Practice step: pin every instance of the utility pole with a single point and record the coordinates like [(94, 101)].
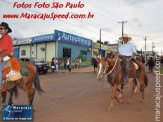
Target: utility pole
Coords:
[(153, 46), (100, 43), (122, 25), (145, 38)]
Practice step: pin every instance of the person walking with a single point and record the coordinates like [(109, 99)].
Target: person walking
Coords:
[(65, 63), (80, 61), (69, 64), (52, 65), (56, 64)]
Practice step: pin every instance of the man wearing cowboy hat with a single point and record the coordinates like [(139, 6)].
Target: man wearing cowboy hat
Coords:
[(6, 47), (128, 51)]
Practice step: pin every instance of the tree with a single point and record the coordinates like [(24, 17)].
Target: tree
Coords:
[(106, 42), (98, 41)]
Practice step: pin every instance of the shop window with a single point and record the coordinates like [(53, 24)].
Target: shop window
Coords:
[(23, 53), (83, 52), (67, 52)]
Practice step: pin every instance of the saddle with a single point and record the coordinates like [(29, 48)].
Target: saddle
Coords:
[(11, 71), (134, 64)]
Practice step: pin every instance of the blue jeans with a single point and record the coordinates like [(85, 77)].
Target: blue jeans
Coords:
[(127, 68), (2, 64)]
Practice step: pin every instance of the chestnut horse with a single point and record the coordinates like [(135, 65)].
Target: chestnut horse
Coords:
[(114, 70), (25, 83)]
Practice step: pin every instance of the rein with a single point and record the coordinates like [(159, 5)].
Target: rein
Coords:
[(112, 68)]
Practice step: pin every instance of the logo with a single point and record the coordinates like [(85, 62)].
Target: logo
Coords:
[(17, 112), (59, 36)]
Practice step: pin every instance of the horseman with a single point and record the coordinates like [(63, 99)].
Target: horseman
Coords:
[(127, 51), (151, 62), (6, 47)]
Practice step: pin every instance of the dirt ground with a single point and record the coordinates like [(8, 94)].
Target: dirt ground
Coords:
[(79, 97)]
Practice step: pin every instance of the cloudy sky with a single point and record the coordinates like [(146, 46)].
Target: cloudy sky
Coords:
[(144, 18)]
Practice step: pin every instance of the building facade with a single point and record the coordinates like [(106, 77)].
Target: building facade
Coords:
[(58, 44), (105, 49)]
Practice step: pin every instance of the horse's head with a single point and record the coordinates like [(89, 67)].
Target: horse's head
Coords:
[(105, 65), (102, 64)]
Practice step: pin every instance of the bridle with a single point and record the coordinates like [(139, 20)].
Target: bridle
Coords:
[(104, 74)]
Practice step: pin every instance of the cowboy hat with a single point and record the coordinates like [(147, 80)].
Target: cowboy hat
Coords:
[(125, 36), (6, 26)]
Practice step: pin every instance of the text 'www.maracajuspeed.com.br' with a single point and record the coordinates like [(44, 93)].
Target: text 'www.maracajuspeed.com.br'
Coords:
[(52, 16)]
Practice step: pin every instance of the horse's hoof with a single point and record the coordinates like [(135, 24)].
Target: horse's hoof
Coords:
[(129, 101), (121, 101), (110, 108)]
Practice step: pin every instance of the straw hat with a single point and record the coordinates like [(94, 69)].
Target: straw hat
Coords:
[(125, 36)]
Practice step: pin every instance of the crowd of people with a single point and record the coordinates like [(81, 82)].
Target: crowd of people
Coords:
[(55, 64)]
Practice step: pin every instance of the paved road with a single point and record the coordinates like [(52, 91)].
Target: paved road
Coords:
[(79, 97)]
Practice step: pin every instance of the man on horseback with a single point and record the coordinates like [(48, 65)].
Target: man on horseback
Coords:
[(6, 47), (127, 50), (151, 62)]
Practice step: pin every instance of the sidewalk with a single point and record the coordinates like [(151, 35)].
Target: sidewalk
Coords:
[(79, 70)]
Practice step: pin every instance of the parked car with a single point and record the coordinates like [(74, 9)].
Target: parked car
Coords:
[(41, 66)]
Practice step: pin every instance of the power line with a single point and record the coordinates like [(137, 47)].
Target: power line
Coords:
[(108, 12)]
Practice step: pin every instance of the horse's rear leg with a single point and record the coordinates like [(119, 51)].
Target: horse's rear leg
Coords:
[(30, 94), (114, 91), (142, 90)]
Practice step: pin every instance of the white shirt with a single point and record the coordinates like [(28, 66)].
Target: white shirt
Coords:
[(56, 62), (127, 49)]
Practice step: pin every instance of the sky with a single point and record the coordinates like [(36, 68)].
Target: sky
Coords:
[(144, 19)]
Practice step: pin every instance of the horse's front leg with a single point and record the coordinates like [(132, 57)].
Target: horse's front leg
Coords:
[(114, 91)]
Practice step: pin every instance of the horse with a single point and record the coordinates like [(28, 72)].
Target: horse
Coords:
[(25, 84), (151, 64), (94, 62), (114, 70)]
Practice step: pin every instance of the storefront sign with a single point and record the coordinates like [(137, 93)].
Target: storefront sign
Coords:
[(72, 39), (105, 47), (43, 38), (22, 41)]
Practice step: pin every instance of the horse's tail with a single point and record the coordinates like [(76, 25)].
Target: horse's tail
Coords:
[(146, 80), (37, 83)]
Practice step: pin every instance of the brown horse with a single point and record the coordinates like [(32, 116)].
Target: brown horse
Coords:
[(25, 84), (114, 70)]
